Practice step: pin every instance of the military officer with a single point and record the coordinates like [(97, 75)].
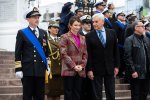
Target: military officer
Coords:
[(31, 52), (100, 6), (79, 12), (55, 84), (120, 26), (107, 22), (86, 24)]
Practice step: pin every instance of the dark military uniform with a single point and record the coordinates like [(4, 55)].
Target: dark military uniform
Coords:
[(55, 85), (108, 24), (31, 64), (120, 35), (28, 60)]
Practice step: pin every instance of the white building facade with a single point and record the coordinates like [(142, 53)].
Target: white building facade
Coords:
[(12, 11)]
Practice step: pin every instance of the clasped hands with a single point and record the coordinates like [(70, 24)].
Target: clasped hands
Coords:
[(78, 68)]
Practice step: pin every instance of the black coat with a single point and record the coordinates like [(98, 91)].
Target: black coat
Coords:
[(26, 53), (128, 31), (102, 61), (107, 25), (135, 55), (120, 33), (65, 15)]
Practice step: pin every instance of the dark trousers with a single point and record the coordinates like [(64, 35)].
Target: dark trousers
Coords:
[(72, 87), (87, 93), (139, 89), (33, 88), (122, 63), (109, 83)]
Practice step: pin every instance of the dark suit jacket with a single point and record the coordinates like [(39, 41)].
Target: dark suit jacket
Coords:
[(102, 61), (30, 61)]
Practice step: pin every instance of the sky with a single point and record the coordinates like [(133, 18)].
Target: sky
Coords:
[(46, 2)]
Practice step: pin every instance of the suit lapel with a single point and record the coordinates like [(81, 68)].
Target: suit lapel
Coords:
[(71, 38), (97, 38), (82, 42), (107, 37)]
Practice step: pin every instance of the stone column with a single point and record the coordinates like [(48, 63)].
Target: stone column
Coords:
[(11, 19)]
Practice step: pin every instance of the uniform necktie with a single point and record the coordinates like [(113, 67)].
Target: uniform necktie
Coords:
[(101, 37), (35, 32), (55, 39)]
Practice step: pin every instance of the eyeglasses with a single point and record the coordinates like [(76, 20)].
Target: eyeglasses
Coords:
[(140, 26)]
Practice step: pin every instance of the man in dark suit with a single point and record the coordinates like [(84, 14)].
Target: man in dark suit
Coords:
[(30, 57), (103, 58)]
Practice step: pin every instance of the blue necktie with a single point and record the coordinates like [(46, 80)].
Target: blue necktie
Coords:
[(101, 37)]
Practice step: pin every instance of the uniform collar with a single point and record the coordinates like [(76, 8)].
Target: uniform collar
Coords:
[(53, 37)]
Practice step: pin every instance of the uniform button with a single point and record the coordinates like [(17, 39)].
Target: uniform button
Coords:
[(34, 60), (34, 55), (42, 61), (34, 51)]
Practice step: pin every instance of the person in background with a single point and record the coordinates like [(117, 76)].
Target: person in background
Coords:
[(87, 86), (147, 28), (79, 12), (120, 26), (31, 53), (105, 1), (74, 58), (100, 6), (103, 58), (86, 24), (54, 87), (107, 15), (137, 59), (111, 8), (65, 15), (131, 17)]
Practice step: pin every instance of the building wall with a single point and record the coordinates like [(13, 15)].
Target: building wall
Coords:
[(8, 27)]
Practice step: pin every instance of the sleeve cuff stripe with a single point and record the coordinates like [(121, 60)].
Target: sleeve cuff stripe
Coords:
[(18, 64)]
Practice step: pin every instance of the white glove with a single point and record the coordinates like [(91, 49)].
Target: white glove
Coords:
[(19, 74), (48, 70)]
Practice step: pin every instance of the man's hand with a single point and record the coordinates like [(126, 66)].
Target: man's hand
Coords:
[(116, 70), (19, 74), (90, 75), (135, 75)]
